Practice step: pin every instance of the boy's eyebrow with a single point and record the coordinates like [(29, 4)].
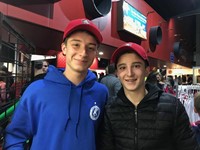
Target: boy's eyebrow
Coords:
[(76, 40), (132, 63), (122, 64), (93, 44), (137, 62)]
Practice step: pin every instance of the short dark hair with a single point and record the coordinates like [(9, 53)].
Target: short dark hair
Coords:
[(152, 77), (4, 68), (111, 69)]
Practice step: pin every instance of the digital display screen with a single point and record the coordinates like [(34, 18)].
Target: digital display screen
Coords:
[(133, 21)]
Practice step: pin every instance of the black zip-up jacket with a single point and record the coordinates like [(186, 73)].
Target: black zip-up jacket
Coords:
[(159, 122)]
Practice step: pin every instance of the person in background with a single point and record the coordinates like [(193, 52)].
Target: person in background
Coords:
[(38, 74), (111, 81), (143, 116), (9, 80), (184, 80), (196, 125), (101, 75), (45, 65), (95, 74), (160, 82), (152, 78), (9, 77), (39, 70), (169, 86), (180, 80), (190, 80), (63, 110), (3, 94)]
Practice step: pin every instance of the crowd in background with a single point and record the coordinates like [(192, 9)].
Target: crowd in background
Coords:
[(12, 87)]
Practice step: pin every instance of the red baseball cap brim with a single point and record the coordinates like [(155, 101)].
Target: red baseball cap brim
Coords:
[(83, 24), (129, 47)]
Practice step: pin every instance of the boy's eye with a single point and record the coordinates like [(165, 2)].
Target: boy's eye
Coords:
[(137, 66), (121, 68), (75, 45), (91, 48)]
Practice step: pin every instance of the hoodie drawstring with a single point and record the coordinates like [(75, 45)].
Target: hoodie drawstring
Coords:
[(77, 119), (68, 109), (79, 111)]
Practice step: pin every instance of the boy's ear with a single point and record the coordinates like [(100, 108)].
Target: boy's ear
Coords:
[(63, 48)]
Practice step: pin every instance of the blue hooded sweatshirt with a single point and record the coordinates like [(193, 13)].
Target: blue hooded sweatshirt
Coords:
[(58, 115)]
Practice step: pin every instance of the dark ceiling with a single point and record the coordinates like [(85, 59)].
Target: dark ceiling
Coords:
[(175, 8), (184, 13)]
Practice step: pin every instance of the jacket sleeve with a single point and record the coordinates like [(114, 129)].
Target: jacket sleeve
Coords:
[(105, 137), (183, 135), (18, 130)]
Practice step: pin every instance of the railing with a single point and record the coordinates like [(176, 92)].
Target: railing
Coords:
[(6, 112)]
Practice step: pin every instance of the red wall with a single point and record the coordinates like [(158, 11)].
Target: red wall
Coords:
[(57, 15)]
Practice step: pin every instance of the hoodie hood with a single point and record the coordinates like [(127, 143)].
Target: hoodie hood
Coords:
[(56, 75)]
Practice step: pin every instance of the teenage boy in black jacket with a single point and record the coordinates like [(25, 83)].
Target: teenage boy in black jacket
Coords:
[(143, 117)]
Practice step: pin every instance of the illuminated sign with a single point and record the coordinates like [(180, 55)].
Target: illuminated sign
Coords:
[(131, 20)]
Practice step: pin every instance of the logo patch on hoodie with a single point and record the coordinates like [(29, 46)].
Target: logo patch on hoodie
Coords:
[(94, 112)]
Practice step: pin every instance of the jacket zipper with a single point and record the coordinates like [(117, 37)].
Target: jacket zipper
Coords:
[(136, 128)]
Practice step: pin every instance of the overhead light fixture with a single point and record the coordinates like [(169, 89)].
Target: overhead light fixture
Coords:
[(100, 53), (175, 35), (41, 57)]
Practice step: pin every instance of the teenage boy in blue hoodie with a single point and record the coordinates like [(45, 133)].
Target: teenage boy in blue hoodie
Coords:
[(63, 110)]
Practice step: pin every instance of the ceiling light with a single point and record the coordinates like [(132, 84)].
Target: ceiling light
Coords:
[(100, 53)]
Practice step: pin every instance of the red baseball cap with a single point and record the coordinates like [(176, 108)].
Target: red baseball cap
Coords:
[(83, 24), (129, 47)]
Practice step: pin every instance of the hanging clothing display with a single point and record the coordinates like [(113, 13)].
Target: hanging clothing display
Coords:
[(186, 96)]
